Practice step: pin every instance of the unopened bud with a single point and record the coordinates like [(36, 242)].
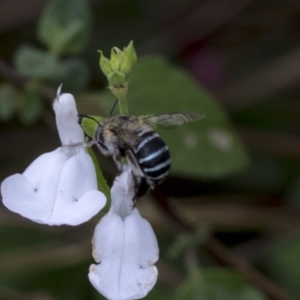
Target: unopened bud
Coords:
[(104, 64)]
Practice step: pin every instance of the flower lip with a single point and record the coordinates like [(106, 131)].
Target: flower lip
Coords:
[(59, 187), (124, 247), (122, 193)]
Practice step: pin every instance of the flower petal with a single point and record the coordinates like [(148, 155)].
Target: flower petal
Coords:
[(126, 253), (32, 193), (107, 251), (55, 189), (19, 196), (122, 193), (77, 199), (66, 115)]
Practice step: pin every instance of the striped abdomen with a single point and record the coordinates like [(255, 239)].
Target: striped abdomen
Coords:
[(153, 156)]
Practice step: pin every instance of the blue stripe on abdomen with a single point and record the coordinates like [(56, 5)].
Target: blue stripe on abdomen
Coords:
[(153, 156), (146, 138)]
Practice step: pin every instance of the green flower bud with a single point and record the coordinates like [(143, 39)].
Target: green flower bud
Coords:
[(117, 69), (116, 78), (125, 64), (128, 59), (117, 84), (104, 64), (131, 52), (117, 50), (114, 60)]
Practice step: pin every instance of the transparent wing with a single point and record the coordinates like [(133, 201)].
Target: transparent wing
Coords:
[(171, 119)]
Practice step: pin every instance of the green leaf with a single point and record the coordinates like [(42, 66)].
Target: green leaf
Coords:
[(293, 193), (102, 184), (218, 284), (90, 124), (208, 148), (284, 265), (36, 63), (75, 76), (7, 102), (32, 109), (159, 292), (277, 113), (65, 25)]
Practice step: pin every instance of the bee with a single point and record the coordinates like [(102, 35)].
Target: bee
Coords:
[(133, 137)]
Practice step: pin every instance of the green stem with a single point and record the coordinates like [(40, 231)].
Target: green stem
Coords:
[(123, 107), (193, 265), (102, 184)]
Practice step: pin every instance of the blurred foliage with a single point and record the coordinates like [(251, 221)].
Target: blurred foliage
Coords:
[(65, 26), (217, 284), (283, 263), (156, 87), (238, 64), (7, 102)]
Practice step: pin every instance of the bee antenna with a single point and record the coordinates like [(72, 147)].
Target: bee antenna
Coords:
[(113, 107), (81, 116)]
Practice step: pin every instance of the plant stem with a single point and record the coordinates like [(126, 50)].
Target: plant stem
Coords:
[(192, 264), (123, 107), (102, 184)]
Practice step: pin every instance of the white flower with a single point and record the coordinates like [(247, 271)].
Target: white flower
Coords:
[(124, 246), (59, 187)]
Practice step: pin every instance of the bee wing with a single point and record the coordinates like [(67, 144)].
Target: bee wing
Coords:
[(171, 119)]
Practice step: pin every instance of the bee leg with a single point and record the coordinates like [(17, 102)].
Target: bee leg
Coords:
[(134, 200), (120, 167), (131, 158), (118, 162), (141, 187), (152, 185)]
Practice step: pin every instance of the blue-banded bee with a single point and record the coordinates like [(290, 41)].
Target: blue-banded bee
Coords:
[(134, 138)]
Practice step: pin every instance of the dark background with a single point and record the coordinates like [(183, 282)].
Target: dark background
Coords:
[(246, 54)]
